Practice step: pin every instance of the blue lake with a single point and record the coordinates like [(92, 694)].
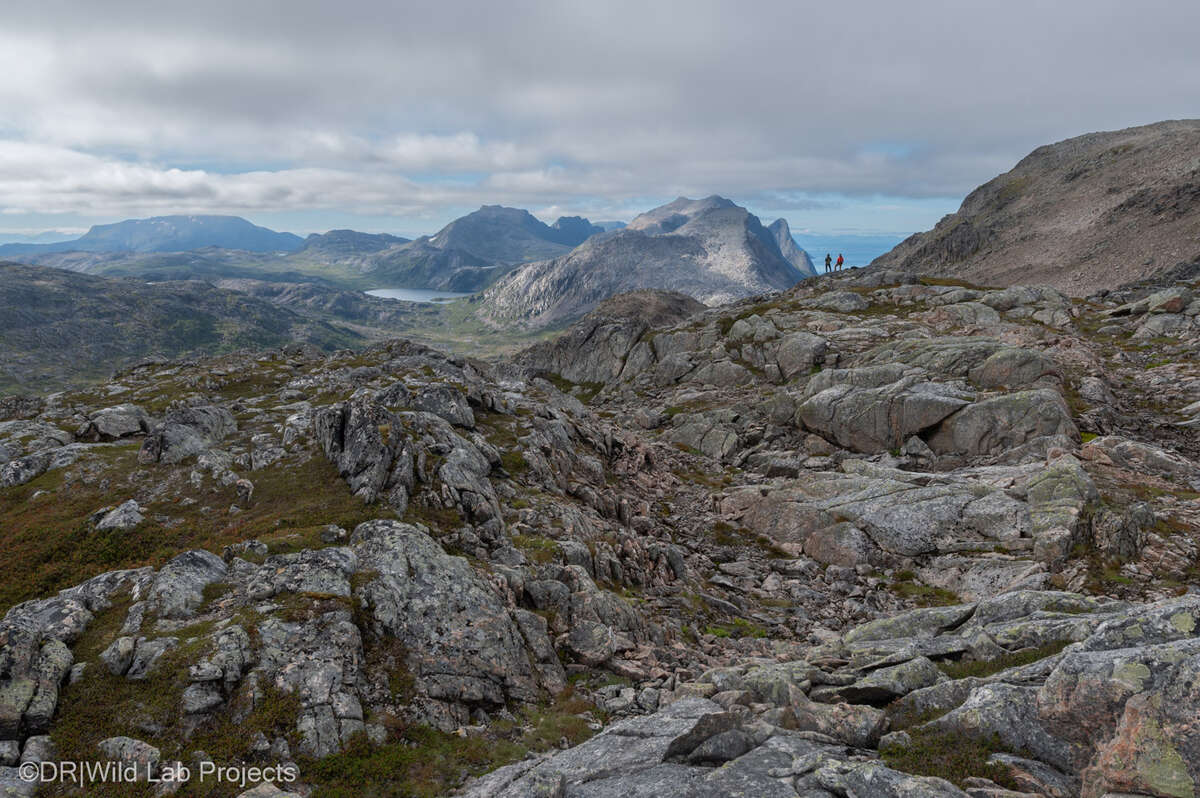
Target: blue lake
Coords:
[(416, 294)]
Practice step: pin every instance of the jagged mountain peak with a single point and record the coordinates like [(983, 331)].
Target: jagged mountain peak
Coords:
[(710, 249), (795, 255), (669, 217)]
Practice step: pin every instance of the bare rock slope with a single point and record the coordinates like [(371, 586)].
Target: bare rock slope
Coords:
[(709, 249), (1084, 214), (872, 536)]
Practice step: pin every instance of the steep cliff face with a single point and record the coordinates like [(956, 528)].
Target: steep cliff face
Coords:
[(1084, 214), (790, 249), (709, 249)]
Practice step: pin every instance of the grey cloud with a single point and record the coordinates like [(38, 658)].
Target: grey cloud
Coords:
[(404, 106)]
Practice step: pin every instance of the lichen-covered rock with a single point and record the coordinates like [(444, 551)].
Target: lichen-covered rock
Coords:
[(1014, 368), (799, 353), (1010, 713), (990, 426), (886, 684), (1155, 748), (357, 436), (1061, 498), (853, 724), (881, 418), (113, 423), (914, 623), (186, 431), (128, 751), (1142, 458), (127, 515), (178, 588), (461, 642)]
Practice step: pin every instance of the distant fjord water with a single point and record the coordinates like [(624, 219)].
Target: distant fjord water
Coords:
[(858, 250)]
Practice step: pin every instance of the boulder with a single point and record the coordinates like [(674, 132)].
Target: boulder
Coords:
[(129, 751), (1169, 300), (886, 684), (880, 418), (126, 516), (1013, 368), (925, 622), (1062, 499), (838, 301), (1010, 713), (463, 646), (991, 426), (1139, 457), (852, 724), (799, 353), (1167, 325), (113, 423), (445, 401), (178, 588), (186, 431), (357, 437)]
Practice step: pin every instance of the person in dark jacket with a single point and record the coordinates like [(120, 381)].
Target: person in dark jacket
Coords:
[(841, 262), (828, 262)]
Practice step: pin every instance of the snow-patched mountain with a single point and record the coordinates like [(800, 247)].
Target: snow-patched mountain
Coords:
[(710, 249)]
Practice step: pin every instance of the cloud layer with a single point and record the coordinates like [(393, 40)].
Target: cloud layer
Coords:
[(384, 110)]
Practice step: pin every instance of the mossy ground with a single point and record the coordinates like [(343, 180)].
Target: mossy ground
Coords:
[(961, 669), (907, 587), (947, 755), (50, 544), (419, 762), (101, 705)]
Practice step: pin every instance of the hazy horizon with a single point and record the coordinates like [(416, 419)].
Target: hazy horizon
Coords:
[(379, 117)]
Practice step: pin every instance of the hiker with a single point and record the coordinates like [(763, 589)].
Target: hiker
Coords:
[(828, 260), (841, 261)]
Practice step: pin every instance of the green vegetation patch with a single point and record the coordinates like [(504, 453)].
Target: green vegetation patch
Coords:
[(739, 628), (101, 705), (907, 587), (537, 549), (50, 543), (948, 755), (961, 669), (583, 391), (420, 762)]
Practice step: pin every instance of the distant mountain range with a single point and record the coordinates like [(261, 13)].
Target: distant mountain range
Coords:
[(710, 249), (47, 237), (466, 255), (169, 234), (341, 244), (1089, 213), (471, 252)]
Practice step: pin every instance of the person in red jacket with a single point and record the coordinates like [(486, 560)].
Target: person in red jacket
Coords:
[(840, 262)]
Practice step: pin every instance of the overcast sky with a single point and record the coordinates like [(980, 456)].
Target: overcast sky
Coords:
[(387, 116)]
